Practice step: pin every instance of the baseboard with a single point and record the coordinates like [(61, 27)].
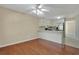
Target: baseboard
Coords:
[(5, 45), (72, 42)]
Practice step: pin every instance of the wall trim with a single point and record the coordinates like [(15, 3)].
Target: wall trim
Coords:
[(5, 45), (72, 42)]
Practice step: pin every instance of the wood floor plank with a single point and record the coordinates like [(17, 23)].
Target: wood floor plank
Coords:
[(38, 47)]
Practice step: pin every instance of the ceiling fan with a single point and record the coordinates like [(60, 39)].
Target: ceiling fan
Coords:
[(38, 10)]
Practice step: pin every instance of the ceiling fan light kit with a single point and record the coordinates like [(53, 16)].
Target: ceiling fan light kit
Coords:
[(38, 10)]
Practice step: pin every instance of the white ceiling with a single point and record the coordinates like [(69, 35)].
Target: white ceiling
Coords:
[(54, 10)]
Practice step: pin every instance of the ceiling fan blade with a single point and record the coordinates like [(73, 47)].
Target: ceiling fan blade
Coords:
[(40, 6), (44, 10)]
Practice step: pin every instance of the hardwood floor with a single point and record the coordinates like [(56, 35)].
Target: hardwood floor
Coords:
[(38, 47)]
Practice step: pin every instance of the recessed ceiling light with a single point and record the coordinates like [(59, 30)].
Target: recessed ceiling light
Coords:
[(58, 17)]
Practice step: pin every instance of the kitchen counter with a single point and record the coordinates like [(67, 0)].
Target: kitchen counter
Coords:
[(55, 36)]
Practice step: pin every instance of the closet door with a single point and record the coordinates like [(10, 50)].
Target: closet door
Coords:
[(70, 29)]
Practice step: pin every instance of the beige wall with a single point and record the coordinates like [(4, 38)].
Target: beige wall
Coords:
[(15, 26)]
